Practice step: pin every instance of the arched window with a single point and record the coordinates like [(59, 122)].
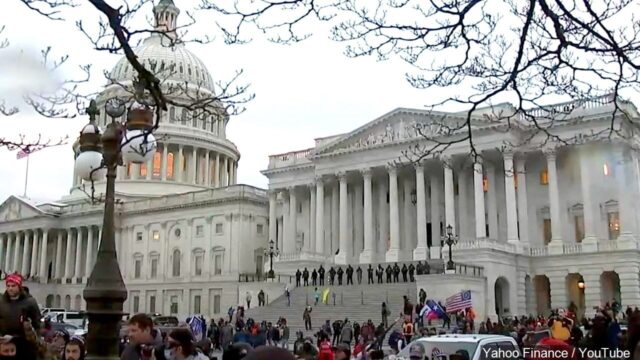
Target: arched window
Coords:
[(143, 169), (176, 263), (170, 165), (183, 117), (67, 302), (172, 114), (194, 116), (157, 164)]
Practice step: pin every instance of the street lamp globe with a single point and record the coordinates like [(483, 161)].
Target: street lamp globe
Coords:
[(86, 164), (138, 146)]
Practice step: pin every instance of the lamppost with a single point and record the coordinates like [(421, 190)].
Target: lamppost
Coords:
[(450, 239), (105, 291), (271, 252)]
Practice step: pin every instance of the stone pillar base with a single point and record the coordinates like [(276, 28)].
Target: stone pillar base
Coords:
[(366, 256), (626, 241), (590, 244), (435, 253), (452, 271), (340, 259), (420, 253), (556, 247), (392, 255)]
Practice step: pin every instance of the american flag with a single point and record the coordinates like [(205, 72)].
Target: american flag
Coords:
[(23, 153), (459, 301)]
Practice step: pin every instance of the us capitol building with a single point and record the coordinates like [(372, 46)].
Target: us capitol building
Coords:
[(549, 223)]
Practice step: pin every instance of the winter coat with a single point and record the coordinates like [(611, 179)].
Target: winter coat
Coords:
[(347, 334), (132, 351), (12, 310)]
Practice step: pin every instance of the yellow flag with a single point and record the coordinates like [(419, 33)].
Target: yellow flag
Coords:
[(325, 295)]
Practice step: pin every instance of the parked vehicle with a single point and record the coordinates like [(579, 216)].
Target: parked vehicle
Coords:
[(77, 318), (474, 346)]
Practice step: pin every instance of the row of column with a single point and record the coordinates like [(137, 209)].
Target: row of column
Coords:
[(25, 252)]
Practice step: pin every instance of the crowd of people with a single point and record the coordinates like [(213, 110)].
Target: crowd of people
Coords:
[(393, 273)]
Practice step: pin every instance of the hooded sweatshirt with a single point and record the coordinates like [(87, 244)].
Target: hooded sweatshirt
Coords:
[(12, 310), (132, 351)]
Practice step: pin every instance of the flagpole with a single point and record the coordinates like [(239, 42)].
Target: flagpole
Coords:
[(26, 178)]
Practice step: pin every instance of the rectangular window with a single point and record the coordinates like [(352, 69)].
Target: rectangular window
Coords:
[(154, 268), (137, 269), (143, 169), (614, 225), (544, 177), (218, 264), (299, 208), (196, 304), (174, 305), (547, 231), (485, 183), (199, 262), (199, 230), (579, 226), (156, 235), (219, 229), (136, 304), (152, 304), (259, 228), (138, 236), (216, 304)]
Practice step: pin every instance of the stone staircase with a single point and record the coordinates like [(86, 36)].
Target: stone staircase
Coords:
[(356, 302)]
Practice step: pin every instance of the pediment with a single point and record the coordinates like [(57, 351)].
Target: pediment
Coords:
[(15, 208), (397, 126)]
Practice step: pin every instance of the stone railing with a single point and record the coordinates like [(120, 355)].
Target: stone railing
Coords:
[(486, 244), (281, 278), (574, 108), (289, 159)]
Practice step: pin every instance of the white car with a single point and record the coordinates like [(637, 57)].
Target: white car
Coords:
[(470, 346)]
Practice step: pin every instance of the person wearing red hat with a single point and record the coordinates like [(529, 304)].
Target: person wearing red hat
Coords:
[(16, 309)]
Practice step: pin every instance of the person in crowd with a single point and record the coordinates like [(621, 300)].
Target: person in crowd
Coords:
[(16, 309), (416, 352), (407, 330), (349, 275), (422, 295), (284, 341), (337, 328), (305, 277), (389, 272), (321, 276), (419, 268), (426, 269), (404, 271), (346, 334), (359, 275), (332, 275), (297, 345), (74, 349), (316, 296), (261, 298), (385, 314), (306, 316), (396, 273), (226, 336), (287, 293), (55, 346), (326, 329), (298, 276), (412, 270), (370, 274), (356, 331), (181, 346), (314, 277), (379, 273), (325, 350), (8, 348), (143, 338), (248, 298), (343, 352), (340, 272)]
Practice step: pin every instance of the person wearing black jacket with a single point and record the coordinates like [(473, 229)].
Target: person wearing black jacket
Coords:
[(389, 271), (314, 277), (340, 272), (298, 275), (17, 307), (379, 273), (412, 269), (332, 275), (321, 275), (359, 275), (349, 275), (404, 273), (396, 273), (305, 277), (369, 275)]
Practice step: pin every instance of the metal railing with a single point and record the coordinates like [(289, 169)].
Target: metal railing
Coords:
[(247, 278)]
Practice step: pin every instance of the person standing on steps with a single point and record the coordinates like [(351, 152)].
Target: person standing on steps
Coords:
[(422, 295), (248, 298), (261, 298), (321, 275), (316, 295), (369, 275), (314, 277), (305, 276), (340, 272), (288, 295), (298, 275), (349, 274), (396, 273), (412, 269), (332, 275), (385, 315), (306, 316), (404, 273), (419, 268), (380, 273), (389, 272), (359, 275)]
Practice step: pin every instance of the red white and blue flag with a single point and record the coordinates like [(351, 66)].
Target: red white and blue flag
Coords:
[(459, 301)]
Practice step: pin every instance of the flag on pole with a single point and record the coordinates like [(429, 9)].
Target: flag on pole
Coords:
[(459, 301), (23, 153), (325, 295), (196, 328)]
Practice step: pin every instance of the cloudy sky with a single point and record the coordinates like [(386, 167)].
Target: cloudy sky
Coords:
[(302, 92)]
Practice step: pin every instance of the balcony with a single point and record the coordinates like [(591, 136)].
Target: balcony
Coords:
[(289, 159)]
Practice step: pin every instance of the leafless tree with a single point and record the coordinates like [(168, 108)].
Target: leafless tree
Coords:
[(529, 53)]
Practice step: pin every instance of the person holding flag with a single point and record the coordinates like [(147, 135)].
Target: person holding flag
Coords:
[(195, 323)]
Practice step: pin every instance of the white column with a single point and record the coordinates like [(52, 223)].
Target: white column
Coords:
[(149, 168), (629, 284), (383, 219), (588, 216), (558, 288), (178, 174), (25, 252), (89, 259), (33, 258), (79, 239), (3, 250), (193, 172), (8, 259), (59, 272), (273, 221), (320, 248), (290, 247), (235, 172), (311, 244), (554, 197), (492, 201), (434, 251), (68, 265), (421, 252), (342, 257), (628, 226), (393, 253), (165, 155), (510, 196), (449, 199), (43, 255), (523, 212), (118, 246), (478, 192), (356, 222), (216, 172), (286, 234), (335, 220), (406, 214), (367, 252), (207, 169)]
